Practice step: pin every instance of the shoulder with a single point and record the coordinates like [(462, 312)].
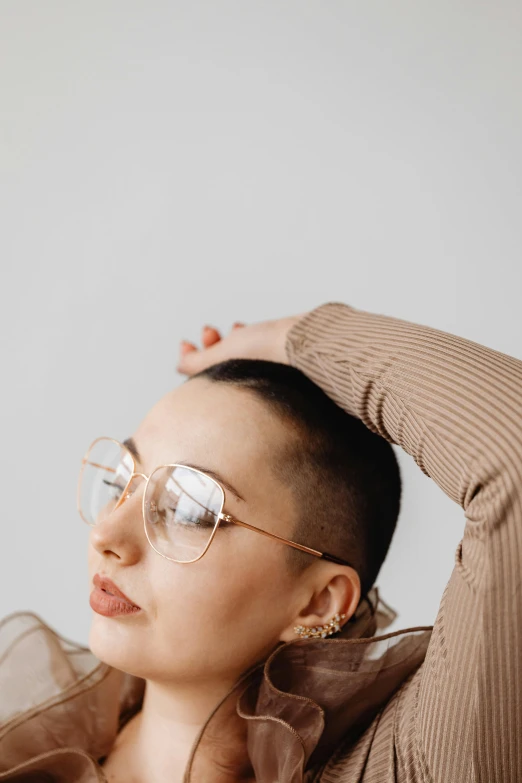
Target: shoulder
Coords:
[(378, 751)]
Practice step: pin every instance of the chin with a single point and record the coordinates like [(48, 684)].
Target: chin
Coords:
[(111, 644)]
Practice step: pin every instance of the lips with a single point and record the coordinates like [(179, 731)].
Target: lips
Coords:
[(108, 586)]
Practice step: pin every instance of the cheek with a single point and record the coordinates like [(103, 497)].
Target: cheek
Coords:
[(229, 586), (227, 610)]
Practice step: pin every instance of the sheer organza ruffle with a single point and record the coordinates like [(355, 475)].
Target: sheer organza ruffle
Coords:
[(61, 708)]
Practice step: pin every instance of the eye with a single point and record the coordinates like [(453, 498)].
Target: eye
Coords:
[(115, 488), (185, 519)]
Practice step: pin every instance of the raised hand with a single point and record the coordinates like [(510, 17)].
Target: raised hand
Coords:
[(264, 340)]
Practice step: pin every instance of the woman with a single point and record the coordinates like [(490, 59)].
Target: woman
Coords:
[(248, 644)]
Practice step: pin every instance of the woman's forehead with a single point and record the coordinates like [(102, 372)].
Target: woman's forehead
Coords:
[(232, 433), (223, 425)]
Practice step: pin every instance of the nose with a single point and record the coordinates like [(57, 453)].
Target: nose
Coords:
[(121, 532)]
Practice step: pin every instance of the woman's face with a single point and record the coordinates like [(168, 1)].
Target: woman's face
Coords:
[(214, 618)]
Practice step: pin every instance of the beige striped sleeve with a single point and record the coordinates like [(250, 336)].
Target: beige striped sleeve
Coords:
[(456, 407)]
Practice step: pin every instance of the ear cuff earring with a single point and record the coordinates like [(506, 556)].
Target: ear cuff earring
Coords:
[(320, 631)]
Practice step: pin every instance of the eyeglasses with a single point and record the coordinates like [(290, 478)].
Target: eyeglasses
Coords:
[(182, 507)]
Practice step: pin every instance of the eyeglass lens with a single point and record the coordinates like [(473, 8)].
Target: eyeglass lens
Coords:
[(182, 505)]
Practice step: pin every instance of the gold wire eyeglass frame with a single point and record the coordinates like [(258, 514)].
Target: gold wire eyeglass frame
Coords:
[(219, 517)]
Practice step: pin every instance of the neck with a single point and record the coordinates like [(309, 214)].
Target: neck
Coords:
[(158, 741)]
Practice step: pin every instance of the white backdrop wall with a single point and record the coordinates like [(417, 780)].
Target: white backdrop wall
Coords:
[(166, 164)]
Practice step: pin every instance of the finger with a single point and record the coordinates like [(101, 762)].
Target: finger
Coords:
[(186, 347), (193, 361), (210, 336), (237, 325)]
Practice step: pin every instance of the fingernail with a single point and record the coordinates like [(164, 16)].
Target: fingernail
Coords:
[(185, 346)]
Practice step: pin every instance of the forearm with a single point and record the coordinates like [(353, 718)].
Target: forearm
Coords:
[(405, 380)]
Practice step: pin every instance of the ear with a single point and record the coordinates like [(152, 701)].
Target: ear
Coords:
[(334, 590)]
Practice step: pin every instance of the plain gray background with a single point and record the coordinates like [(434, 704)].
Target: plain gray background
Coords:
[(170, 164)]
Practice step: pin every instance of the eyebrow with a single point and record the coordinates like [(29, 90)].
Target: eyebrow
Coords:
[(131, 445)]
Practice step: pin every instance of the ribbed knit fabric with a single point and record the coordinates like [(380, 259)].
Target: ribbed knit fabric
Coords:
[(456, 407)]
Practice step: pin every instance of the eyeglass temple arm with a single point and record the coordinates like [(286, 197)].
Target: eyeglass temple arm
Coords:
[(301, 547), (334, 559)]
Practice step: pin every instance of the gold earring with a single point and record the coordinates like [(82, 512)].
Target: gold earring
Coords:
[(320, 631)]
